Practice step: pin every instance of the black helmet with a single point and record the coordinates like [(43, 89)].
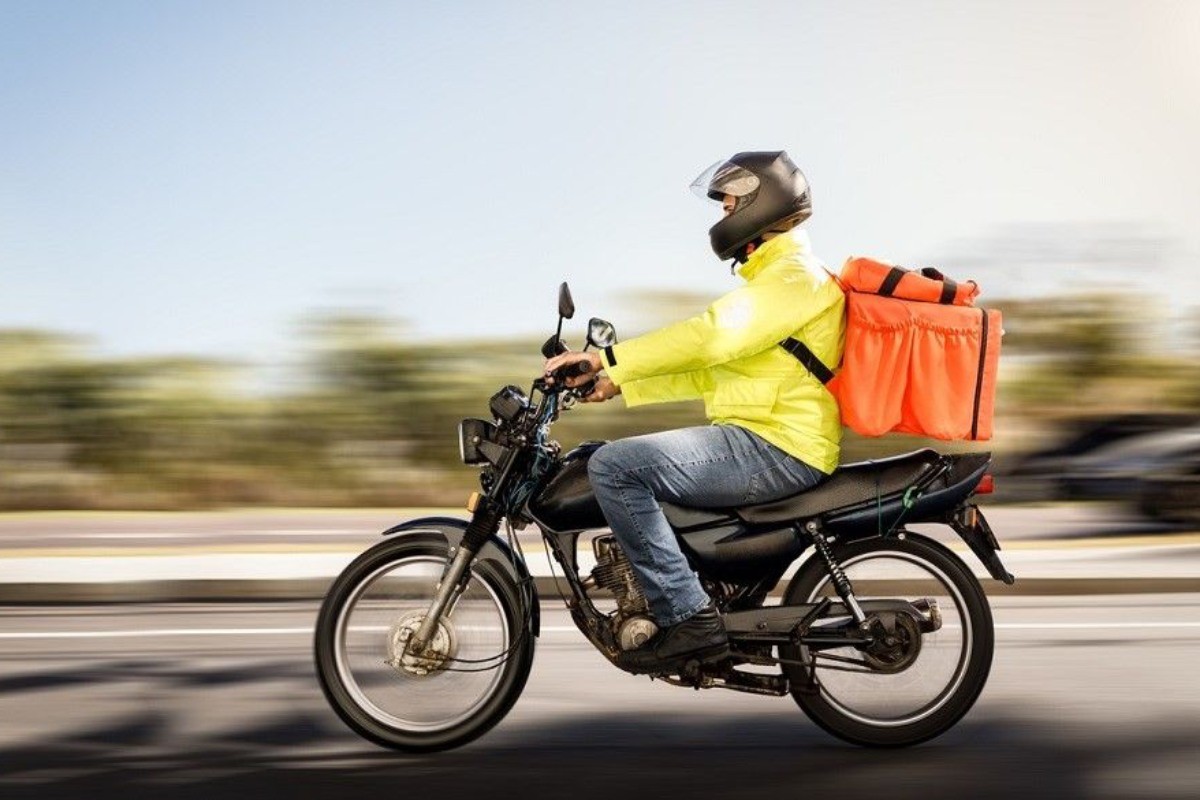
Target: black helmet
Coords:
[(771, 192)]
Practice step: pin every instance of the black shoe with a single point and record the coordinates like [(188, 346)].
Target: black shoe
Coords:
[(701, 637)]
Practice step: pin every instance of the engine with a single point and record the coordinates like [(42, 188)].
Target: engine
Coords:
[(632, 624)]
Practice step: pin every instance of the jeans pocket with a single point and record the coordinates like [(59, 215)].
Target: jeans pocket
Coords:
[(751, 490), (766, 485), (787, 477)]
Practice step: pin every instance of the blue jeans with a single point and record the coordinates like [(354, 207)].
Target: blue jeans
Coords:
[(717, 466)]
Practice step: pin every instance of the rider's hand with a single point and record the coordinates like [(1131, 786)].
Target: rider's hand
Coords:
[(605, 390), (564, 359)]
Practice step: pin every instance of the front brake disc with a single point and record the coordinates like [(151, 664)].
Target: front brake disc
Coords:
[(442, 647)]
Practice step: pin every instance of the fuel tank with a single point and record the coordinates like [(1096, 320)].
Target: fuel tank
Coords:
[(566, 502)]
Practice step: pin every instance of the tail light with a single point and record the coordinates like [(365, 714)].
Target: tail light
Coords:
[(987, 484)]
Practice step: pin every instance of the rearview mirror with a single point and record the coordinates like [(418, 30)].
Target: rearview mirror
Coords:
[(566, 306), (553, 346), (601, 333)]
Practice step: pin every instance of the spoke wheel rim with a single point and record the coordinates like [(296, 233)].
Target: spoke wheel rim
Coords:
[(369, 646), (961, 615)]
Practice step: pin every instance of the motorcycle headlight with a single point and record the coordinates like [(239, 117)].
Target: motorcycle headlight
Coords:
[(478, 442)]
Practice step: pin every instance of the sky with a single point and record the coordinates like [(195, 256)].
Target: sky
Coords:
[(196, 177)]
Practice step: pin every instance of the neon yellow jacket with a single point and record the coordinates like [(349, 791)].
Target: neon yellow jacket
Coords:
[(730, 355)]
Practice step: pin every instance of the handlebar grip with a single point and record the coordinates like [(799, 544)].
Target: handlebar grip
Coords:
[(585, 389), (578, 368)]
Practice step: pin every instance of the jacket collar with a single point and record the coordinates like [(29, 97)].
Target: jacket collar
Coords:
[(794, 242)]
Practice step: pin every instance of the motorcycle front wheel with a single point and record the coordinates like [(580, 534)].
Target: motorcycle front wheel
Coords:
[(927, 681), (479, 657)]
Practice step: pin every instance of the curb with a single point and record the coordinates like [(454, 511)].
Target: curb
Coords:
[(312, 589)]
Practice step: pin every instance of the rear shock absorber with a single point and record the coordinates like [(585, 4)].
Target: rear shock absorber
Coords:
[(840, 582)]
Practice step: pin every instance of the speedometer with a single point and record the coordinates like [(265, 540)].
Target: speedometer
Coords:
[(508, 403)]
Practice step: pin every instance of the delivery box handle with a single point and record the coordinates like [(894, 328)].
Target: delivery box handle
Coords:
[(949, 286)]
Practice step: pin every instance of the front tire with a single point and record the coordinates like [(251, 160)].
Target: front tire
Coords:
[(421, 705), (923, 700)]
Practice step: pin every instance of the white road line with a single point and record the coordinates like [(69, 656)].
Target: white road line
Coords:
[(1093, 625), (204, 632), (129, 536), (545, 629), (236, 534), (156, 632)]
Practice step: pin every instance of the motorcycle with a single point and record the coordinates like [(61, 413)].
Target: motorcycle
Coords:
[(883, 637)]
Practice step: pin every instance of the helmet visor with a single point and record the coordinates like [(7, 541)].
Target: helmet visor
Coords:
[(724, 178)]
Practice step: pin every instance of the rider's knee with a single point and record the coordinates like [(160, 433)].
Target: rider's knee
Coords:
[(609, 461), (600, 464)]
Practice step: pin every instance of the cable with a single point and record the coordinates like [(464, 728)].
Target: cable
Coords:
[(527, 598), (907, 502)]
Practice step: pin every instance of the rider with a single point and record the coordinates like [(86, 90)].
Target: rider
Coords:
[(776, 428)]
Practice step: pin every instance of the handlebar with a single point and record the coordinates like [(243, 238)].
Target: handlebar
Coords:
[(559, 378), (576, 369), (560, 375)]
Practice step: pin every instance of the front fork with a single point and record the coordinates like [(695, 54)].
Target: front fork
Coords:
[(484, 523)]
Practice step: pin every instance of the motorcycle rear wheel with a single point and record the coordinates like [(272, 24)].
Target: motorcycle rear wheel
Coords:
[(935, 684), (483, 649)]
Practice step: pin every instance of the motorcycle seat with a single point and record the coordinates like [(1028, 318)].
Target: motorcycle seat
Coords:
[(849, 485)]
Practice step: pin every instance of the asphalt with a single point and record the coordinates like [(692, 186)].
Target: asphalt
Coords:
[(293, 555), (114, 531), (1089, 697)]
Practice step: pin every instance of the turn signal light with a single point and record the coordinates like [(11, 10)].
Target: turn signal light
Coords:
[(987, 485)]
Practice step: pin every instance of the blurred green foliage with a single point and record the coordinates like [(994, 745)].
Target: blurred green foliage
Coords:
[(369, 417)]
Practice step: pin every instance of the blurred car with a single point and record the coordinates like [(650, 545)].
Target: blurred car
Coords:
[(1120, 470), (1089, 461), (1172, 494)]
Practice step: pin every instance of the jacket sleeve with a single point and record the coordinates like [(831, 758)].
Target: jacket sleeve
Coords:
[(745, 321), (667, 388)]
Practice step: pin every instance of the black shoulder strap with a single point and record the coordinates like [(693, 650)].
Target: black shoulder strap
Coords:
[(808, 358)]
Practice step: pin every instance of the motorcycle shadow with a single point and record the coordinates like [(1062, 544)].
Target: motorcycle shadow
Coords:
[(625, 754)]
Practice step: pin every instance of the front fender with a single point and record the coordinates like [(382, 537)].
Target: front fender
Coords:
[(495, 550)]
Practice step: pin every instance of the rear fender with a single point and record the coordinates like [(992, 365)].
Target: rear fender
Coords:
[(969, 523), (450, 530)]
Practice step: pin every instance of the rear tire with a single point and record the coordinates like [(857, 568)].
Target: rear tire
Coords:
[(971, 670), (351, 701)]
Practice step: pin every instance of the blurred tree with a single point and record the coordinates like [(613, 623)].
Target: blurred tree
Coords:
[(26, 347), (374, 418), (365, 376), (654, 308)]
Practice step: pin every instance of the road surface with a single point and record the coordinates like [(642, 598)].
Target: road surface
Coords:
[(219, 701), (356, 529)]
